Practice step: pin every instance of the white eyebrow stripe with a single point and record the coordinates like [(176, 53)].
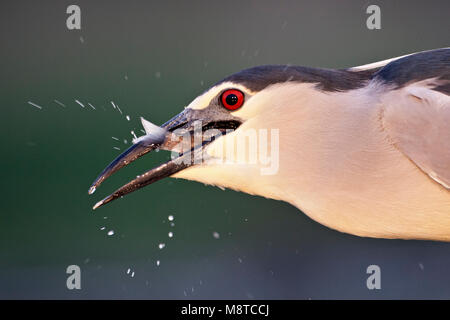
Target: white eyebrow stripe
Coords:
[(203, 101)]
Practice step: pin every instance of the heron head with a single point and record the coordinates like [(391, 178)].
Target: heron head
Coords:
[(227, 136)]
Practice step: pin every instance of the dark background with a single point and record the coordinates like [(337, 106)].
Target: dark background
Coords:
[(152, 58)]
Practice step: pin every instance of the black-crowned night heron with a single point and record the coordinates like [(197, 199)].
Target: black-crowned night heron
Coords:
[(364, 150)]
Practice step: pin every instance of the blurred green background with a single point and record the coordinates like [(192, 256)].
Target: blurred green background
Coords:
[(152, 58)]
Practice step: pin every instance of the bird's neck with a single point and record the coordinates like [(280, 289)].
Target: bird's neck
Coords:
[(337, 165)]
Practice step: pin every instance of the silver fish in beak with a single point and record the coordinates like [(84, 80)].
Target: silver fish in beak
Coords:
[(166, 137)]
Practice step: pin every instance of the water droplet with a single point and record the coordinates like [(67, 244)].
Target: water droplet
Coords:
[(216, 235), (110, 232), (170, 234), (170, 218), (158, 263), (79, 103), (161, 245)]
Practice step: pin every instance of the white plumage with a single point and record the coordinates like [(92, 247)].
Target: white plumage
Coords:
[(365, 150), (374, 161)]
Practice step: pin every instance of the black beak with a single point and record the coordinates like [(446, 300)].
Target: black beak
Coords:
[(166, 139)]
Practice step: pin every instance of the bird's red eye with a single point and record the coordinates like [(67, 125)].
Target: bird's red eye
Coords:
[(232, 99)]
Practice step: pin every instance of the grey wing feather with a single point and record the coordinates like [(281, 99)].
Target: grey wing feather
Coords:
[(417, 119), (416, 110)]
